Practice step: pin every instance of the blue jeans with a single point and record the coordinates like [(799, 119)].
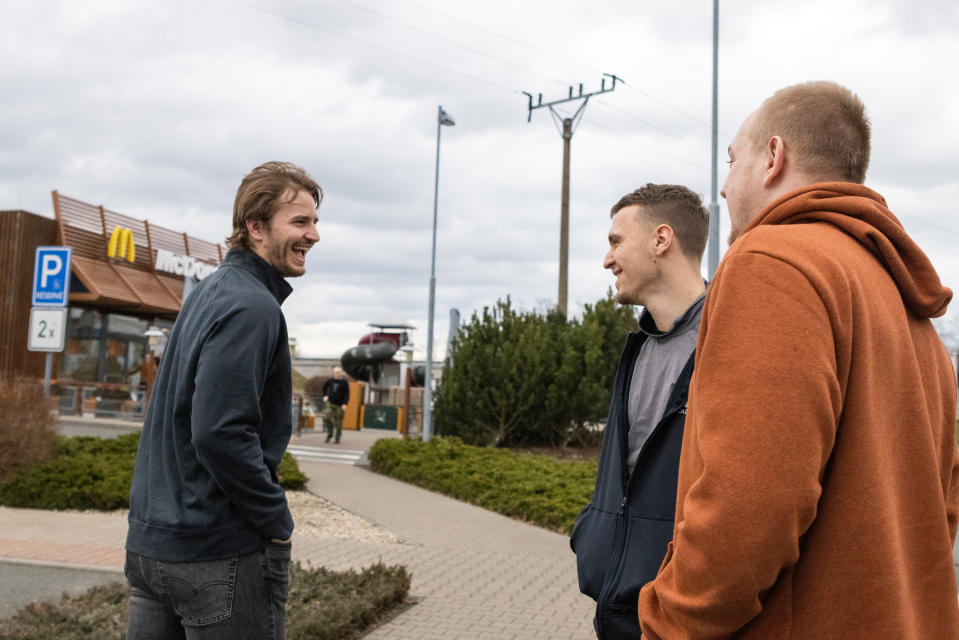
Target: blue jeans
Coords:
[(234, 598)]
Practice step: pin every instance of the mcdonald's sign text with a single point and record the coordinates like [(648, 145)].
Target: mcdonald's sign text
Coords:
[(183, 265)]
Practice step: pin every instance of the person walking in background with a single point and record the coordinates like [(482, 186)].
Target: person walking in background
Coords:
[(208, 546), (336, 395), (656, 243), (818, 485), (148, 372)]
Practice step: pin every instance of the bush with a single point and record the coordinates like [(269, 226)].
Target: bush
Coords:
[(533, 488), (327, 605), (84, 473), (322, 605), (522, 378), (27, 434), (95, 473), (289, 474)]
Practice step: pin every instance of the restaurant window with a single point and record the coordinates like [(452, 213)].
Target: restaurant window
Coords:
[(81, 318), (80, 360), (118, 323), (115, 362)]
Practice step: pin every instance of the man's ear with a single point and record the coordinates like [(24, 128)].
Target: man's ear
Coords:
[(662, 239), (775, 160), (255, 228)]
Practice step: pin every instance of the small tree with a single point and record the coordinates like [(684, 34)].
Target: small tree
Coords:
[(525, 378), (27, 434)]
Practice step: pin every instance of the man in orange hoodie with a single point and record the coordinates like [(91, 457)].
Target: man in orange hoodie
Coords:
[(818, 489)]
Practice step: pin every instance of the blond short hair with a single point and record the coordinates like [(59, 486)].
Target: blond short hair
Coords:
[(825, 126)]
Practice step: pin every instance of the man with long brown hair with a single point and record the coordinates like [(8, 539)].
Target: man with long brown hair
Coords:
[(818, 491), (208, 547)]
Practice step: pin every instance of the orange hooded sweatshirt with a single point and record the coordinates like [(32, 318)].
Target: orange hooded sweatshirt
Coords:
[(818, 488)]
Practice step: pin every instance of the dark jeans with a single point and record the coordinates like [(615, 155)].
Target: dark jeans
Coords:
[(235, 598)]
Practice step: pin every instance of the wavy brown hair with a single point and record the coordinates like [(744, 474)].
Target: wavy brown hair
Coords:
[(262, 191)]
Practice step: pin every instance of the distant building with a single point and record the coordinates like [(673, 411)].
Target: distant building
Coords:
[(127, 283)]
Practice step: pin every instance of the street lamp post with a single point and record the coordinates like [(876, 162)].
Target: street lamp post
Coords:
[(442, 118)]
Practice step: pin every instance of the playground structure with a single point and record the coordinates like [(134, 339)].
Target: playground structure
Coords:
[(389, 391)]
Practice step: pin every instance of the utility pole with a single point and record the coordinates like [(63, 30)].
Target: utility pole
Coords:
[(712, 259), (442, 119), (567, 134)]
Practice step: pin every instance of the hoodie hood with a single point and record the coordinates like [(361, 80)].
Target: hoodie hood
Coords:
[(862, 213)]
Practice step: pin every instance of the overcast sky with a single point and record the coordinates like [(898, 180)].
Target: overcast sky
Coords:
[(156, 109)]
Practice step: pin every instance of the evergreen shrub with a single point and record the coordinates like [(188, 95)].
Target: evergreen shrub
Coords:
[(523, 378), (95, 473), (531, 487)]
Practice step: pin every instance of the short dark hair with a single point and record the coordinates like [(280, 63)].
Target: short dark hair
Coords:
[(825, 125), (676, 206), (260, 193)]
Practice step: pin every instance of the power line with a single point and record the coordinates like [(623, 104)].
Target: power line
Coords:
[(644, 144), (427, 63), (451, 42), (432, 65), (491, 32), (926, 223), (553, 54), (651, 125)]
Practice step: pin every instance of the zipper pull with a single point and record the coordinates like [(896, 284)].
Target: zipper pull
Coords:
[(622, 506)]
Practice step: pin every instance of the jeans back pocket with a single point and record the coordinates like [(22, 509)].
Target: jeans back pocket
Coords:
[(200, 592)]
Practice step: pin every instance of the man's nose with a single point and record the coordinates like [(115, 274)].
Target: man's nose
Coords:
[(312, 234)]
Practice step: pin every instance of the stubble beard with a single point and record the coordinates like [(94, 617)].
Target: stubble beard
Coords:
[(626, 298), (278, 258)]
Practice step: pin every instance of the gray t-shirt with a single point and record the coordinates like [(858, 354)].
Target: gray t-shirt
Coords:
[(660, 361)]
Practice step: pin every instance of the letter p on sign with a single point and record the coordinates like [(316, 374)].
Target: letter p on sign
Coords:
[(51, 276), (52, 266)]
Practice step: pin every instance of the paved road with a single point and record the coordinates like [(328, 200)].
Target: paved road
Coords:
[(478, 575), (21, 584)]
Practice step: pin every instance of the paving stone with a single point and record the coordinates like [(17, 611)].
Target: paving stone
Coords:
[(476, 574)]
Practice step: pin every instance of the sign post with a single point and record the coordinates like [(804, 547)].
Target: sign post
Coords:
[(48, 317)]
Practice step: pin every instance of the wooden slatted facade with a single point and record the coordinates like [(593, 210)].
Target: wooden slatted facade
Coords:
[(20, 234), (116, 282), (106, 284)]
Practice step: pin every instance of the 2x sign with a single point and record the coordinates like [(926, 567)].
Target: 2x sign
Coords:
[(51, 276), (48, 329)]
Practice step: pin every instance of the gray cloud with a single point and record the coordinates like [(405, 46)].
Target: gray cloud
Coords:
[(157, 110)]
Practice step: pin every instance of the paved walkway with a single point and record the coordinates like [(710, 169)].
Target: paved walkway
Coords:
[(477, 575)]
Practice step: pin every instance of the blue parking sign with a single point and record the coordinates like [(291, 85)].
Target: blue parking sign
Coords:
[(51, 276)]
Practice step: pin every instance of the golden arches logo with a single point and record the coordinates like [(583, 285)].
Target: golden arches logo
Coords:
[(121, 244)]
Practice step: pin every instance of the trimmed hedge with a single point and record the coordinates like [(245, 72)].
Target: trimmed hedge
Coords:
[(531, 487), (322, 605), (95, 473)]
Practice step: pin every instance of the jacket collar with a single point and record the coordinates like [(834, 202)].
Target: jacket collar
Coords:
[(262, 270), (688, 320)]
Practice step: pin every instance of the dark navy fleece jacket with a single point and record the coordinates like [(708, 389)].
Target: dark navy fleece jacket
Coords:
[(205, 483)]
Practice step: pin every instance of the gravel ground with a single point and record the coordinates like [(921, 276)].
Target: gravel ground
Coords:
[(314, 517)]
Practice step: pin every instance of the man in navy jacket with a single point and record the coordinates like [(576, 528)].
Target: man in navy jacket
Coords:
[(656, 244), (208, 546)]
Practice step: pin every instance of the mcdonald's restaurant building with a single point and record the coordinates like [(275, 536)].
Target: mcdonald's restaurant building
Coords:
[(127, 283)]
